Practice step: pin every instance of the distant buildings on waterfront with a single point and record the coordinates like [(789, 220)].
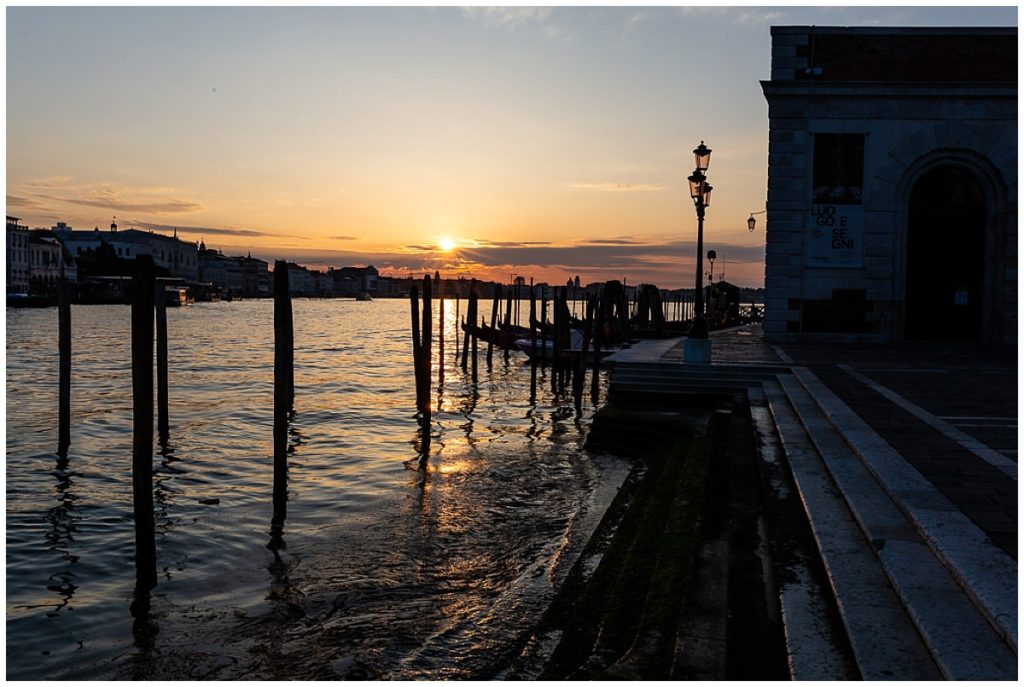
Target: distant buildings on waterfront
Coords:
[(99, 263), (35, 260)]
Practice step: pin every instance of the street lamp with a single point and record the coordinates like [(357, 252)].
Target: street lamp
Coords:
[(697, 346), (751, 221), (700, 193)]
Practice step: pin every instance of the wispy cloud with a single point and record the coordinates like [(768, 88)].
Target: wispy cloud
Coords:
[(48, 192), (613, 242), (511, 17), (22, 202), (117, 204), (511, 244), (615, 186), (201, 231), (344, 238), (541, 19)]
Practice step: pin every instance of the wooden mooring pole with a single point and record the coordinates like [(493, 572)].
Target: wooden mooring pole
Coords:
[(495, 302), (417, 346), (544, 322), (556, 348), (283, 386), (473, 306), (580, 374), (64, 368), (533, 347), (598, 335), (533, 328), (426, 351), (142, 422), (440, 329), (471, 318), (163, 424), (457, 337)]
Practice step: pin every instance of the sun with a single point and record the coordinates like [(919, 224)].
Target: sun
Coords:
[(446, 244)]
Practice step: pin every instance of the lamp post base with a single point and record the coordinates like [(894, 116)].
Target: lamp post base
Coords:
[(696, 351)]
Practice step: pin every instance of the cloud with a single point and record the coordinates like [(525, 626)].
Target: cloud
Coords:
[(344, 238), (201, 231), (508, 17), (612, 242), (663, 262), (622, 253), (615, 186), (113, 203), (23, 202), (512, 244), (46, 192), (512, 19)]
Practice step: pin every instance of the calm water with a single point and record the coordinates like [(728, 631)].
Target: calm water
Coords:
[(387, 571)]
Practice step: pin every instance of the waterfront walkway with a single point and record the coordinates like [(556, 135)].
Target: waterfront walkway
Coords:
[(905, 460), (950, 409)]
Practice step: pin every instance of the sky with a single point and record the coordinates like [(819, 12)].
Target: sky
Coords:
[(547, 142)]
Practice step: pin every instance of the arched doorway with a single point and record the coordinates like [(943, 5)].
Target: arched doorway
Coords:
[(945, 274)]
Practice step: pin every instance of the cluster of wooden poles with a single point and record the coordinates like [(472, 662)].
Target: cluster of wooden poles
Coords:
[(567, 365), (148, 298)]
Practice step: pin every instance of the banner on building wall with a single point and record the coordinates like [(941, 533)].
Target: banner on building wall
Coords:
[(837, 236), (837, 211)]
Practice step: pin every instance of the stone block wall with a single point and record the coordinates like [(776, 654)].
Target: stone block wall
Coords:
[(907, 126)]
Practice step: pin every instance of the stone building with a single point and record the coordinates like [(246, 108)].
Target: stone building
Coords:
[(179, 258), (17, 256), (892, 184), (351, 281)]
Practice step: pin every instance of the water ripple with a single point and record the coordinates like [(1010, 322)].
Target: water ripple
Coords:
[(379, 571)]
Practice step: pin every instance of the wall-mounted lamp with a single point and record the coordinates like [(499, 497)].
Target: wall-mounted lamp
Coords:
[(751, 221)]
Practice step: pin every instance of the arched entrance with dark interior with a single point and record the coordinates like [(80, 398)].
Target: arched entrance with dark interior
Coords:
[(945, 270)]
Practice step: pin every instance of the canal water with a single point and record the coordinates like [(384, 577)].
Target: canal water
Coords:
[(383, 570)]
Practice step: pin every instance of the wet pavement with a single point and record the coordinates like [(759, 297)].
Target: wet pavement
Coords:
[(949, 408)]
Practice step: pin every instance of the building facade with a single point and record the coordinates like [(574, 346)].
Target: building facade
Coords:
[(255, 277), (179, 258), (46, 263), (17, 256), (892, 184), (351, 281)]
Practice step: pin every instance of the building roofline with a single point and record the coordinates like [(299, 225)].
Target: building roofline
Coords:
[(897, 30)]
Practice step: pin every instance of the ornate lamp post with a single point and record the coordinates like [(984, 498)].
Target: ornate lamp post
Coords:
[(697, 347)]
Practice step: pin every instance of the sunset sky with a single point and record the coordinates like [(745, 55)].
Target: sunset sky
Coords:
[(549, 142)]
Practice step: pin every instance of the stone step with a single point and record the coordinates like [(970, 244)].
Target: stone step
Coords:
[(986, 573), (960, 639), (884, 640), (816, 646)]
